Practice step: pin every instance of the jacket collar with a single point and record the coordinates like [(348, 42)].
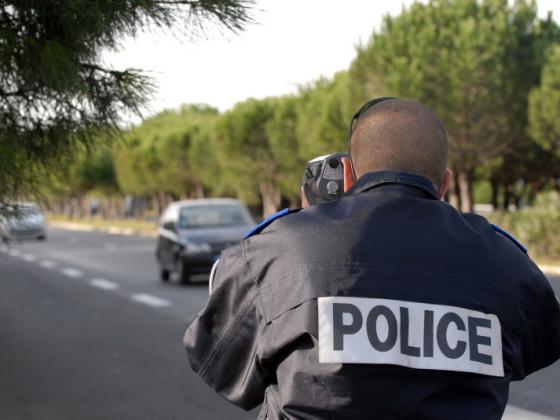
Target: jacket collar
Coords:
[(374, 179)]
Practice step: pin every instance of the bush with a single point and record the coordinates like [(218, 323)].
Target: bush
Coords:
[(536, 227)]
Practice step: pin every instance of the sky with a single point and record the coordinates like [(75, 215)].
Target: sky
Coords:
[(293, 42)]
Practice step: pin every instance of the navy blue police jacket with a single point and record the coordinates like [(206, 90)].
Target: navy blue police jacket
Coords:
[(384, 304)]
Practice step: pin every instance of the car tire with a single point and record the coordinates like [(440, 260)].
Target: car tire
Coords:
[(183, 272), (42, 237), (164, 275)]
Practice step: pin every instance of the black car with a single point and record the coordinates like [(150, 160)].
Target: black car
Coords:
[(192, 234)]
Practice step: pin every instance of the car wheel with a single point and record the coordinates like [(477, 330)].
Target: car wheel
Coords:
[(163, 274), (183, 272), (42, 237)]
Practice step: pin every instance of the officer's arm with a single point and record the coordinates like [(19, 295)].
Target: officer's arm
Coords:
[(222, 340), (541, 335)]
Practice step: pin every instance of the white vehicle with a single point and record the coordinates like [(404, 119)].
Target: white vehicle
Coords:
[(22, 221)]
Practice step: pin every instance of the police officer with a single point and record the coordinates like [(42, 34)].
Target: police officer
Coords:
[(385, 304)]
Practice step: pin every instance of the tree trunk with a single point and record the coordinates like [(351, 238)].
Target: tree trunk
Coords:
[(455, 193), (104, 208), (495, 192), (158, 204), (464, 179), (520, 197), (198, 190), (555, 184), (507, 196), (113, 207), (62, 206), (270, 196)]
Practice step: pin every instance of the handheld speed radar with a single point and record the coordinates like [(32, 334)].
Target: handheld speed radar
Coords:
[(323, 178)]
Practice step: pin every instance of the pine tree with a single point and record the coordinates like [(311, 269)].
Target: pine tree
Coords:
[(56, 94)]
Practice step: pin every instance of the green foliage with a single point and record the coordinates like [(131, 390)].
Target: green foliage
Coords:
[(284, 143), (95, 173), (55, 91), (244, 149), (482, 192), (545, 103), (474, 62), (526, 158), (537, 227), (86, 171), (169, 153), (324, 115), (466, 60)]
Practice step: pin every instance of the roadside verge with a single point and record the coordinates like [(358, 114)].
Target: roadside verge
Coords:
[(550, 269), (112, 229)]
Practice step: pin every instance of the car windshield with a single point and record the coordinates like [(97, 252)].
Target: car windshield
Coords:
[(20, 212), (28, 211), (212, 215)]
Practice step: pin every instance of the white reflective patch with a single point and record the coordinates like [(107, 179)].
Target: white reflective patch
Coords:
[(411, 334), (212, 275)]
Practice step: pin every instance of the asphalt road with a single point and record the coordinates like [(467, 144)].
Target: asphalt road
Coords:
[(87, 331)]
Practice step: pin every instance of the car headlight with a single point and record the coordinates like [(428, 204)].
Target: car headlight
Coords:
[(197, 248)]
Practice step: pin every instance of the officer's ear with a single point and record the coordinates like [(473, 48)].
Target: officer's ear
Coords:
[(445, 182), (348, 174), (304, 202)]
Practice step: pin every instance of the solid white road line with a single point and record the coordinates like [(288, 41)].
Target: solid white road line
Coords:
[(47, 264), (72, 272), (150, 300), (516, 413), (104, 284), (28, 257)]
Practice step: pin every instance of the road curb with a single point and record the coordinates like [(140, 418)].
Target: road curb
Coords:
[(82, 227), (551, 270), (113, 230)]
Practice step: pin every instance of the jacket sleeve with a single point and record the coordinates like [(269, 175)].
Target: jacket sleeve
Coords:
[(221, 342), (540, 344)]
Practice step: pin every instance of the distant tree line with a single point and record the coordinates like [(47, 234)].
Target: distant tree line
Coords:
[(489, 69)]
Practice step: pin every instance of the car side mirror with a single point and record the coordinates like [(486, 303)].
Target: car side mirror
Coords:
[(169, 225)]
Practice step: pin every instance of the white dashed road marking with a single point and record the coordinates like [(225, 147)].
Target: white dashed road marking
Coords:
[(28, 257), (151, 300), (104, 284), (14, 252), (72, 272), (516, 413), (47, 264)]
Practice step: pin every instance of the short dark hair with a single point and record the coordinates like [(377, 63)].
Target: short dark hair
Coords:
[(400, 134)]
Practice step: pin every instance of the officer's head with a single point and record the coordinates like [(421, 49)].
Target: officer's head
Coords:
[(398, 134)]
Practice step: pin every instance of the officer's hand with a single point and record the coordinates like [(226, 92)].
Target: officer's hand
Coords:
[(304, 202)]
